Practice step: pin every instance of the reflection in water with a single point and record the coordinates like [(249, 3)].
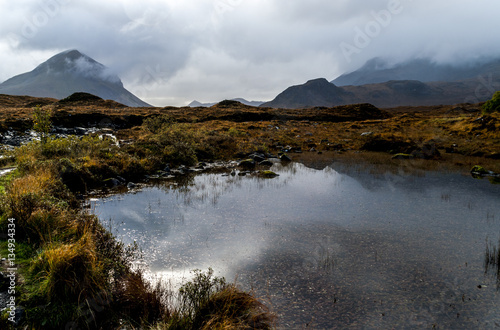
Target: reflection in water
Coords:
[(331, 248), (492, 260)]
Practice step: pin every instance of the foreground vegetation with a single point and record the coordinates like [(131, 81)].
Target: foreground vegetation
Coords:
[(71, 271)]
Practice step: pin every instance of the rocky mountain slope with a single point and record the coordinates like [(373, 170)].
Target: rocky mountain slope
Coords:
[(69, 72)]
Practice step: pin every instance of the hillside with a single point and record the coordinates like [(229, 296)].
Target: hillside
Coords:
[(69, 72), (378, 70), (195, 103), (394, 93)]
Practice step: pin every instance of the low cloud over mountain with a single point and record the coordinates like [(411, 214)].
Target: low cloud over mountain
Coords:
[(69, 72)]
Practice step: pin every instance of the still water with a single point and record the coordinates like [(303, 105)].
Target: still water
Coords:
[(331, 247)]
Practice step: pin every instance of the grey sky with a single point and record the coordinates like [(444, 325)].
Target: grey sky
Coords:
[(170, 52)]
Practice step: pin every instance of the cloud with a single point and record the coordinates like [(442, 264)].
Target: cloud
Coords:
[(171, 52), (88, 69)]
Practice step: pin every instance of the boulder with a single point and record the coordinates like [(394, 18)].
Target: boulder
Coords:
[(258, 157), (285, 158), (266, 163), (247, 164)]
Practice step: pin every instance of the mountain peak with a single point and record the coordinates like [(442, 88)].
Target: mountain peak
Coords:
[(68, 72), (318, 81), (76, 63)]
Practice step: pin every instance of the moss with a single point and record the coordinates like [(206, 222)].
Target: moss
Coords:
[(479, 170), (268, 174), (402, 156)]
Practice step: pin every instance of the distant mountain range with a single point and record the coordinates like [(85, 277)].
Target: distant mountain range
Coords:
[(69, 72), (414, 83), (195, 103), (378, 70)]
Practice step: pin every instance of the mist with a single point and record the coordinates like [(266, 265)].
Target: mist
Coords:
[(170, 52)]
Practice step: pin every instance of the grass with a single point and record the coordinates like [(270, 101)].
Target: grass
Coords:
[(72, 271), (209, 302)]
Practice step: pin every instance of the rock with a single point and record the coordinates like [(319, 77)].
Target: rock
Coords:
[(479, 170), (266, 163), (268, 174), (112, 182), (495, 155), (131, 185), (428, 151), (247, 164), (391, 144), (285, 158), (258, 157), (402, 156), (452, 149)]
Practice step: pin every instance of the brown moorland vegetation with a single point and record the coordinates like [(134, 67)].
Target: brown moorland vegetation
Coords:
[(67, 260), (458, 130)]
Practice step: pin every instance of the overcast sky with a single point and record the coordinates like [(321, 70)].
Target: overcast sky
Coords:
[(170, 52)]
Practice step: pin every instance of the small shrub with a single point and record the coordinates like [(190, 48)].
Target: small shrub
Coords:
[(155, 124), (196, 293), (208, 302), (42, 123), (492, 105), (234, 132)]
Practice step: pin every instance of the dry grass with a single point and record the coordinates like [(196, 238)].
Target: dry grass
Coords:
[(69, 272)]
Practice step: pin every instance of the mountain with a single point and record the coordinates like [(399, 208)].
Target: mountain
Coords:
[(378, 70), (195, 103), (317, 92), (69, 72), (394, 93), (415, 83)]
